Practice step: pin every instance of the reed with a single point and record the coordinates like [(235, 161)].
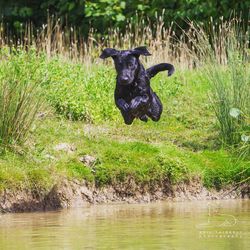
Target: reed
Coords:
[(55, 39)]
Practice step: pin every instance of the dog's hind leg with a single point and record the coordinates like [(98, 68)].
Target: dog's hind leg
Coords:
[(152, 71), (155, 110), (143, 118), (128, 118)]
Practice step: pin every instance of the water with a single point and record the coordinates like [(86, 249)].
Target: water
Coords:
[(163, 225)]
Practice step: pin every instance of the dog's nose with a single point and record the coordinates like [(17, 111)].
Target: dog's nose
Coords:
[(124, 79)]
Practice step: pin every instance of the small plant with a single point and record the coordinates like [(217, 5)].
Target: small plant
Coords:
[(243, 131)]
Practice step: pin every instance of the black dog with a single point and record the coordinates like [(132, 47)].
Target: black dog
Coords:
[(133, 94)]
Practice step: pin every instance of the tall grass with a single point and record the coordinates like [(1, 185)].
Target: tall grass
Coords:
[(223, 53), (33, 65), (20, 95), (55, 39)]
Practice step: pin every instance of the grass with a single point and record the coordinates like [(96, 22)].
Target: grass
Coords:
[(118, 159), (183, 144), (78, 93)]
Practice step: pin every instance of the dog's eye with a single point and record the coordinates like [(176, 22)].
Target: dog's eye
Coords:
[(130, 64)]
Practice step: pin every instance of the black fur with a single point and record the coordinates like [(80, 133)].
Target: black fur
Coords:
[(133, 94)]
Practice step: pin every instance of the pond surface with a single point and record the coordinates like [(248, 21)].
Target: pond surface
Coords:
[(163, 225)]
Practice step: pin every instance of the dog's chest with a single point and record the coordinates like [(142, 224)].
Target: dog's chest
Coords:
[(136, 89), (129, 92)]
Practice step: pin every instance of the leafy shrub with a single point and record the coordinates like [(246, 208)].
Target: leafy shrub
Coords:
[(85, 94)]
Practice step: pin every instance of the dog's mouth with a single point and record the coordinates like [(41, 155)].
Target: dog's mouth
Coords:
[(125, 81)]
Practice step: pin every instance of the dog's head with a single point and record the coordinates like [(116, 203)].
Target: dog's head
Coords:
[(126, 62)]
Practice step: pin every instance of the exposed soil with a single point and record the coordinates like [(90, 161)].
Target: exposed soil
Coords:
[(76, 194)]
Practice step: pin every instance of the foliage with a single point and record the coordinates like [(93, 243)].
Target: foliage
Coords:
[(103, 13), (182, 145), (17, 13)]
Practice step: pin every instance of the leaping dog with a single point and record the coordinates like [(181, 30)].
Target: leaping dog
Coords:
[(133, 95)]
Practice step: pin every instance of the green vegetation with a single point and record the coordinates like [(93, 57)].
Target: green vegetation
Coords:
[(185, 143), (78, 93), (20, 96), (227, 72), (53, 94)]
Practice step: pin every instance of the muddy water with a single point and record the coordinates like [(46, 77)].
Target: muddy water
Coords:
[(165, 225)]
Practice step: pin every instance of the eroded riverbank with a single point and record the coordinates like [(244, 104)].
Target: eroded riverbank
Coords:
[(69, 194)]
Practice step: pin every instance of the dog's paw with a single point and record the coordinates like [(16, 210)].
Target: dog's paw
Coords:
[(143, 118), (135, 103), (122, 105), (125, 107)]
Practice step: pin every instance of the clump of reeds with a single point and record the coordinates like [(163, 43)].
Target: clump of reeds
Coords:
[(222, 51), (54, 38), (20, 95)]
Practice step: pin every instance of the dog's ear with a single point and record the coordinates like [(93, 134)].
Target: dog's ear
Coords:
[(108, 52), (141, 51)]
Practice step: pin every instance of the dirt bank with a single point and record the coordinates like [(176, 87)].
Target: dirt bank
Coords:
[(76, 194)]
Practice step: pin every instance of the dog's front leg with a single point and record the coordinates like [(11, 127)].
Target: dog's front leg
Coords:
[(138, 102), (122, 104), (125, 111)]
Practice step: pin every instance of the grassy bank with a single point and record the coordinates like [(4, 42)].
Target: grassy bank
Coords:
[(78, 109)]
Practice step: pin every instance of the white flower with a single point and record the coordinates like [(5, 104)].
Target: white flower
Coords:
[(245, 138), (234, 112)]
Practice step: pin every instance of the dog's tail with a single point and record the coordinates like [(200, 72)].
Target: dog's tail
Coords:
[(152, 71)]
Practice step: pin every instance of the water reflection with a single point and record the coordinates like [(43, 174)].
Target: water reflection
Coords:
[(163, 225)]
